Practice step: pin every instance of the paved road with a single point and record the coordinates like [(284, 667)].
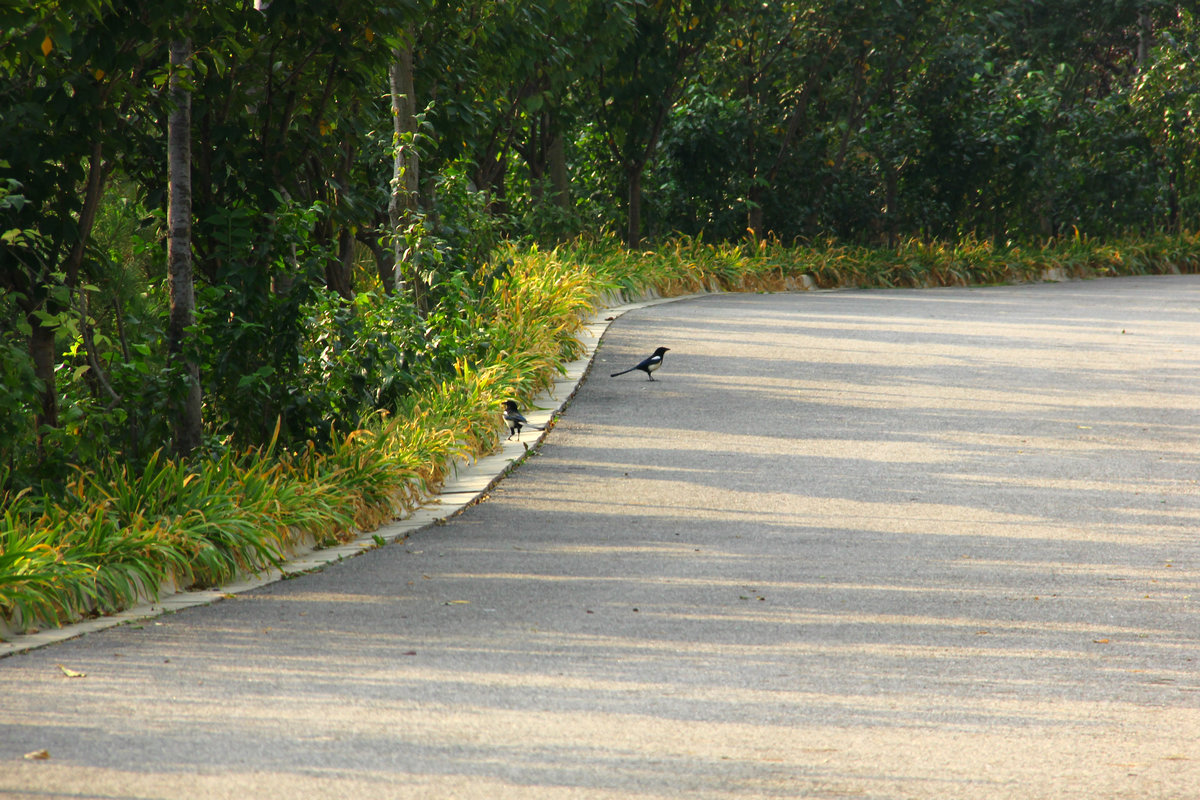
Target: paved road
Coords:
[(910, 544)]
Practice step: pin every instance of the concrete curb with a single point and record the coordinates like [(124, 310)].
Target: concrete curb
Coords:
[(470, 482)]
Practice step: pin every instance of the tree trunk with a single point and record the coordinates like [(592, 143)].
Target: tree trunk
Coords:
[(560, 183), (754, 219), (497, 191), (97, 172), (891, 210), (633, 236), (339, 272), (187, 421), (384, 263), (403, 204), (42, 350), (797, 120), (1145, 39)]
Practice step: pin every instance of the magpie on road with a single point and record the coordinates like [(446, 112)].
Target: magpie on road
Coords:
[(648, 365), (516, 420)]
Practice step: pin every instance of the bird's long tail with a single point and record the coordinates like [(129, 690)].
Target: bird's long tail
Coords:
[(622, 372)]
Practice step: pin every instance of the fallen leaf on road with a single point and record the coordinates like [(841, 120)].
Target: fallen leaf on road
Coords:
[(457, 603), (1100, 641), (70, 673), (38, 755)]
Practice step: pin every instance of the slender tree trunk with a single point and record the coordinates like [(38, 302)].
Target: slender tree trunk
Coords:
[(403, 204), (339, 272), (187, 422), (97, 172), (1145, 38), (95, 375), (42, 347), (633, 236), (556, 156), (497, 191), (797, 120), (545, 156), (384, 265), (44, 355), (754, 218), (891, 209)]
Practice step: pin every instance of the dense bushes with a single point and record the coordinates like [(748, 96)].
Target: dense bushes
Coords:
[(352, 168), (117, 529), (353, 171)]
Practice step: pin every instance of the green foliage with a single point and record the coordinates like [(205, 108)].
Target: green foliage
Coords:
[(36, 579), (904, 144), (119, 531), (1165, 105), (356, 357), (700, 183), (18, 396)]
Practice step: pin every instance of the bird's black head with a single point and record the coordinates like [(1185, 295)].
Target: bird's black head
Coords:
[(661, 350), (510, 405)]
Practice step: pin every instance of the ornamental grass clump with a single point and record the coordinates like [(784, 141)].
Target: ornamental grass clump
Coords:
[(63, 560), (118, 535), (534, 311), (224, 516), (40, 578)]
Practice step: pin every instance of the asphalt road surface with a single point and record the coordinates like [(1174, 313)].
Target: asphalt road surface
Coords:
[(905, 544)]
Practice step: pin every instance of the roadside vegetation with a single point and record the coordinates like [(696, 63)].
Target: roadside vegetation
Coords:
[(268, 268), (117, 533)]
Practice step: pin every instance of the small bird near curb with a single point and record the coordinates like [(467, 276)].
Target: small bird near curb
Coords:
[(516, 420), (648, 365)]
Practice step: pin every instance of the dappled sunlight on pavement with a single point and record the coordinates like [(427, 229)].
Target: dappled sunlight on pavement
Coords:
[(927, 544)]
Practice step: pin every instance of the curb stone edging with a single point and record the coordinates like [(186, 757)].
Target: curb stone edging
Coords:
[(470, 482)]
